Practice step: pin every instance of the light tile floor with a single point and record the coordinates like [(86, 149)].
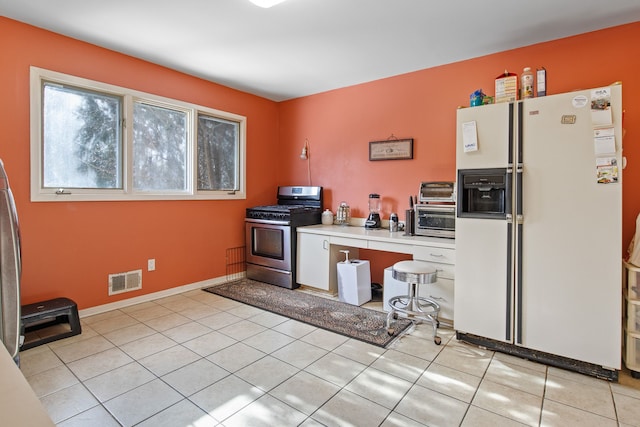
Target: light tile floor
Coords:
[(197, 359)]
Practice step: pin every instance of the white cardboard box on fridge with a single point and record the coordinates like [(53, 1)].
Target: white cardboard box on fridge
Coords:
[(506, 87)]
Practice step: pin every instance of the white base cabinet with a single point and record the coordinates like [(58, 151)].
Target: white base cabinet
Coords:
[(318, 260), (313, 257), (319, 249)]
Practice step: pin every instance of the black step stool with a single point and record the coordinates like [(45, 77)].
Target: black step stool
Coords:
[(48, 321)]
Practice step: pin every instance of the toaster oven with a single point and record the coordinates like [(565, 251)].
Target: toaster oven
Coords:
[(434, 220), (435, 214)]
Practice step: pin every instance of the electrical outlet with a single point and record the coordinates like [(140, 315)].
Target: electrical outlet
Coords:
[(151, 264)]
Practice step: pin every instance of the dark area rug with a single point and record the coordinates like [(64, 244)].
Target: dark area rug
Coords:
[(346, 319)]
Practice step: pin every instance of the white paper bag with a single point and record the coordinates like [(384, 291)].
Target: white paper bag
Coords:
[(634, 247)]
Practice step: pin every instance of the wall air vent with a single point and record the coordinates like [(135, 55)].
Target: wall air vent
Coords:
[(125, 282)]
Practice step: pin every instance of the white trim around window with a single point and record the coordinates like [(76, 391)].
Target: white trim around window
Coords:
[(124, 188)]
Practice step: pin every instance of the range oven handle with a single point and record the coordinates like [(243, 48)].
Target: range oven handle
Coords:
[(266, 221)]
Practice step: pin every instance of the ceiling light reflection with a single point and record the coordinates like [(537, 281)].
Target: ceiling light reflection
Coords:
[(266, 3)]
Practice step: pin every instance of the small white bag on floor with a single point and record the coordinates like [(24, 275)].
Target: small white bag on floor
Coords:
[(634, 247), (354, 281)]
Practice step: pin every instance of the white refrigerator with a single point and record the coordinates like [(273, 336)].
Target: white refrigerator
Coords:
[(538, 269)]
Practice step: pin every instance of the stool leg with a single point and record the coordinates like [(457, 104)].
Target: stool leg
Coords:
[(413, 309), (413, 298)]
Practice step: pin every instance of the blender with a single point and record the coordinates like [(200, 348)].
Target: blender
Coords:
[(373, 220)]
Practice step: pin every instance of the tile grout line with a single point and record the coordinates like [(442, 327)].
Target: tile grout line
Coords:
[(204, 357), (270, 353), (544, 394)]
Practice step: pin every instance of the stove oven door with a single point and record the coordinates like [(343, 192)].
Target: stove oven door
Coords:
[(269, 251)]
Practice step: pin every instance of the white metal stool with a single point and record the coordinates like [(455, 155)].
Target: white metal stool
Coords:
[(415, 273)]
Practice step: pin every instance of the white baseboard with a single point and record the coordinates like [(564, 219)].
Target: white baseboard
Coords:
[(150, 297)]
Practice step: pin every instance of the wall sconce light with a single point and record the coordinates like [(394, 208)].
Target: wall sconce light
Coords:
[(304, 155)]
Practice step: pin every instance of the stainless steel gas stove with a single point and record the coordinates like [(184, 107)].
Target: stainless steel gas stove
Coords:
[(271, 234)]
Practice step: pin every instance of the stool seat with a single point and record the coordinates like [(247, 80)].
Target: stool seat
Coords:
[(414, 273)]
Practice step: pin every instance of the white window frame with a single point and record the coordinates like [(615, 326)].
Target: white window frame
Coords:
[(40, 194)]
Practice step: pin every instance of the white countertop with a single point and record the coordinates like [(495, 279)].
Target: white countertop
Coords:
[(380, 235), (19, 405)]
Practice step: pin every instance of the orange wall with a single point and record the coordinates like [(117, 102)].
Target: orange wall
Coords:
[(422, 105), (69, 249)]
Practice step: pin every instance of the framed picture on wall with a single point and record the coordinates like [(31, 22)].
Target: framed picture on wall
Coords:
[(391, 149)]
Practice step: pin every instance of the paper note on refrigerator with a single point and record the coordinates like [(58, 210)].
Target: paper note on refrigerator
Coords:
[(604, 140), (601, 106), (606, 170), (470, 136)]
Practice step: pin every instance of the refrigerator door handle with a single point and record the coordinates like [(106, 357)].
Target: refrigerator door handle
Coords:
[(508, 281), (519, 165), (518, 227), (511, 132), (519, 302), (508, 198), (508, 202), (518, 285), (520, 136), (519, 170)]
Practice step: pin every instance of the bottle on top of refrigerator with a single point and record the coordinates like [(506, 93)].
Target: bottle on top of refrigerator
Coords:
[(526, 83)]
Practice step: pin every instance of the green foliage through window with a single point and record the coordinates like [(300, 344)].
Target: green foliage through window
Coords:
[(217, 154), (159, 148), (96, 141), (81, 138)]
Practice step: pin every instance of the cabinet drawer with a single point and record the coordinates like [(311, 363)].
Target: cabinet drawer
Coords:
[(345, 241), (445, 271), (423, 253), (442, 293), (391, 247), (631, 351), (632, 314), (631, 281)]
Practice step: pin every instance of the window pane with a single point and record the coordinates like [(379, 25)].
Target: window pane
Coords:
[(104, 142), (159, 148), (81, 138), (218, 154)]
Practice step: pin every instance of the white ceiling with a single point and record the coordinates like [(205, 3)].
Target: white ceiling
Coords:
[(303, 47)]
